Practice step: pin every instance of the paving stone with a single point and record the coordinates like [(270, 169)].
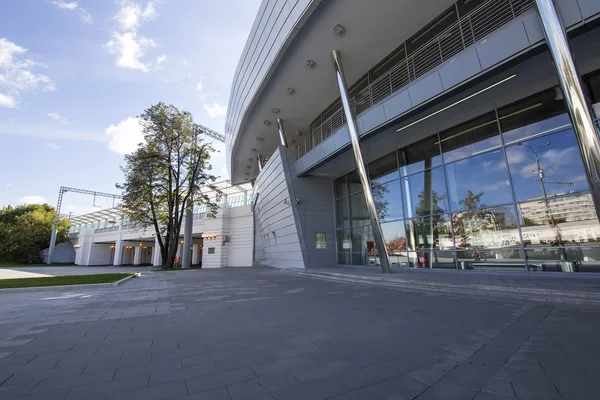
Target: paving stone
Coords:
[(444, 389), (269, 384), (407, 385), (20, 389), (315, 390), (213, 394), (135, 370), (499, 386), (492, 396), (277, 366), (380, 391), (160, 377), (246, 360), (45, 374), (323, 370), (294, 351), (532, 391), (107, 388), (359, 378), (51, 395), (209, 357), (220, 379), (75, 380), (159, 392), (426, 375)]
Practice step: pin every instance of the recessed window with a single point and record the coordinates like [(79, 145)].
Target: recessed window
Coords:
[(321, 239)]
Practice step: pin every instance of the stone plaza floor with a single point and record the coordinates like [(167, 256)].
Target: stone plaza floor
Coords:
[(260, 333)]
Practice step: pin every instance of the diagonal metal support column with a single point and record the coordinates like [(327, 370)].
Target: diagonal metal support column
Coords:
[(362, 171), (282, 137), (580, 111)]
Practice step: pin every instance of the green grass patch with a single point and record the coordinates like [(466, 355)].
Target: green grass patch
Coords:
[(16, 265), (62, 280)]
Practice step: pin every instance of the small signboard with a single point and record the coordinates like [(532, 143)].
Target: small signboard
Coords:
[(211, 250)]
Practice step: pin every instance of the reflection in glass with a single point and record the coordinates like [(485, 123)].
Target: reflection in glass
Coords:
[(533, 115), (483, 228), (362, 240), (432, 259), (479, 181), (339, 187), (560, 221), (563, 259), (354, 184), (342, 218), (425, 193), (431, 232), (383, 169), (470, 138), (388, 201), (358, 210), (491, 260), (420, 156), (343, 258), (344, 241), (547, 166), (394, 234)]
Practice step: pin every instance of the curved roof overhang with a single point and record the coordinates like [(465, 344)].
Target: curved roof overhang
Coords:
[(373, 29)]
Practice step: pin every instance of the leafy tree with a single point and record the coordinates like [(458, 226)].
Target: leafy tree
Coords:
[(397, 243), (477, 218), (165, 173), (25, 231)]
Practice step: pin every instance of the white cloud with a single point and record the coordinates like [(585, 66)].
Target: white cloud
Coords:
[(52, 145), (16, 75), (126, 44), (129, 49), (57, 117), (199, 86), (64, 4), (216, 110), (7, 101), (125, 136), (84, 14), (32, 200), (9, 184)]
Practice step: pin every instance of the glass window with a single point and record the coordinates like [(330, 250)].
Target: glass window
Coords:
[(486, 228), (479, 181), (344, 241), (420, 156), (508, 259), (533, 115), (321, 240), (359, 214), (432, 259), (394, 234), (354, 184), (343, 258), (362, 239), (383, 169), (564, 259), (388, 201), (342, 218), (560, 168), (425, 193), (568, 220), (470, 138), (432, 232)]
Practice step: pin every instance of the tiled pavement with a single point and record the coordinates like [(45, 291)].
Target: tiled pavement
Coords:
[(262, 334)]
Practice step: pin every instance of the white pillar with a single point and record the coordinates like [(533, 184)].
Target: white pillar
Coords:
[(187, 237), (137, 255), (118, 253), (179, 249), (156, 255), (195, 254)]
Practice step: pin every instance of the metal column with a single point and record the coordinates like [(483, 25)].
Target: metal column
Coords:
[(282, 138), (362, 171), (579, 109), (187, 236), (260, 163)]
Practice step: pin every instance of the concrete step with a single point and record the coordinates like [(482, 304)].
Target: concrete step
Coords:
[(539, 294)]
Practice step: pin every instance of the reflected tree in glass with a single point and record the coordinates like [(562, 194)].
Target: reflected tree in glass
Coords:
[(475, 220)]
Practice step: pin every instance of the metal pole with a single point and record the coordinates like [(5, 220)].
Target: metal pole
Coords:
[(362, 171), (260, 162), (55, 226), (282, 138), (579, 109), (187, 236)]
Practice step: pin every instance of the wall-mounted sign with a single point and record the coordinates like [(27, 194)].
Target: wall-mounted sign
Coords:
[(211, 250), (346, 244)]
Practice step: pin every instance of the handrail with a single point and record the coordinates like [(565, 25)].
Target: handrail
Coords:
[(470, 28)]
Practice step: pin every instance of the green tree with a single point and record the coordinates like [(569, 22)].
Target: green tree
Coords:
[(166, 172), (25, 231)]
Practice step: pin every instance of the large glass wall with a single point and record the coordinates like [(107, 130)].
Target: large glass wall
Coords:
[(504, 191)]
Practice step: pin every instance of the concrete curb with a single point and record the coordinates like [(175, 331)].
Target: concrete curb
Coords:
[(63, 287), (467, 290)]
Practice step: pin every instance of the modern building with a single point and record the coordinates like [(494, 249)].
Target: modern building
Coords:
[(105, 237), (454, 134)]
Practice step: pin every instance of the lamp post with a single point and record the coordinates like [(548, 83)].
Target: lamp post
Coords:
[(539, 170)]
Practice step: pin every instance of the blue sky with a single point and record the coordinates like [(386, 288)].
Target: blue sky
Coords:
[(73, 76)]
